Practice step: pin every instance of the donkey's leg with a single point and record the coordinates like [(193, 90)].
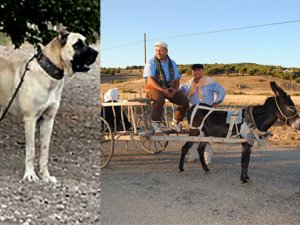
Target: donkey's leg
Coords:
[(46, 126), (245, 161), (200, 150), (184, 151), (29, 125)]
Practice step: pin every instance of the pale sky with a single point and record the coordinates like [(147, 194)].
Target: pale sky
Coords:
[(185, 26)]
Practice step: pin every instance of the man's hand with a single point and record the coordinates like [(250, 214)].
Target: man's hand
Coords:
[(172, 92), (169, 92), (215, 105)]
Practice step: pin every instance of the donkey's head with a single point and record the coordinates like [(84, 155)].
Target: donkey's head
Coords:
[(286, 110)]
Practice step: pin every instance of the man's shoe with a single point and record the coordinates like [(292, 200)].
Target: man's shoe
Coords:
[(176, 126), (157, 127)]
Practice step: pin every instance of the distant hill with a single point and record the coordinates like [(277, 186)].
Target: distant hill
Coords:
[(250, 69)]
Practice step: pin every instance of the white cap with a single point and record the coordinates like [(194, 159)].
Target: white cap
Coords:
[(111, 95), (162, 44)]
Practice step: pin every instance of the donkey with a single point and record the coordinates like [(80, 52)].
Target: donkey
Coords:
[(263, 117)]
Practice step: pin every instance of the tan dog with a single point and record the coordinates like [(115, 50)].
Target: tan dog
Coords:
[(39, 96)]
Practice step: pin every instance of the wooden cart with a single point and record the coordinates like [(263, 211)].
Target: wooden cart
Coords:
[(138, 111)]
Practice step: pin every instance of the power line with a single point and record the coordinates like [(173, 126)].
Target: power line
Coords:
[(230, 29), (121, 46), (204, 33)]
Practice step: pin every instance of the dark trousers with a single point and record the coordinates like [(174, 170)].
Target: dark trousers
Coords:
[(159, 100)]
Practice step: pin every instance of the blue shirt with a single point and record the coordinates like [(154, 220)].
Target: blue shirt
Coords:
[(207, 93), (150, 69)]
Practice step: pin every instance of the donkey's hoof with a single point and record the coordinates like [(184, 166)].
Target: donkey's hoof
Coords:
[(244, 181), (207, 173), (181, 170)]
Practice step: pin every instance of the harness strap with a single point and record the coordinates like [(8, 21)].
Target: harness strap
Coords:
[(285, 117), (258, 135), (194, 113), (210, 110), (233, 120), (202, 124), (247, 127), (192, 117), (249, 117)]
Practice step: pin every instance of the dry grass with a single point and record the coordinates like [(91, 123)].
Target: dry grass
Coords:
[(241, 90)]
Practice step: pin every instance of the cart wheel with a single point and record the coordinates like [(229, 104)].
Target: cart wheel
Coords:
[(140, 122), (106, 143), (152, 147)]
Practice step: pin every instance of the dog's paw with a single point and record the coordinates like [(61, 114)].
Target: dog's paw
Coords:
[(50, 179), (31, 177)]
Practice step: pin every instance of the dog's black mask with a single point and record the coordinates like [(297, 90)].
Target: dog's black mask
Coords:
[(84, 56)]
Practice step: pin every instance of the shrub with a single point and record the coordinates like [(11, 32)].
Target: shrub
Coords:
[(297, 80)]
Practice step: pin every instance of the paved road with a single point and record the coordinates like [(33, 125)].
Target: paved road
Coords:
[(143, 189)]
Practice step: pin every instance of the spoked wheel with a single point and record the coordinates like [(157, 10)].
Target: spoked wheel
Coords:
[(153, 146), (150, 146), (106, 143)]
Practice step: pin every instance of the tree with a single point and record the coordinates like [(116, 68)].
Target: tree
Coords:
[(33, 21)]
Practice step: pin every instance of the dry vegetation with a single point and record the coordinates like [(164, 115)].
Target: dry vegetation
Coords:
[(241, 90)]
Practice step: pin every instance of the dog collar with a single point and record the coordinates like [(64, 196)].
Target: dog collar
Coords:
[(52, 70)]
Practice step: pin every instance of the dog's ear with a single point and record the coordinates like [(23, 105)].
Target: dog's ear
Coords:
[(62, 34), (62, 38)]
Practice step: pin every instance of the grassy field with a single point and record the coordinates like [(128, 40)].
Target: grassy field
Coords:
[(4, 39)]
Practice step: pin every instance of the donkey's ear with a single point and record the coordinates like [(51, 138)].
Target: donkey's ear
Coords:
[(276, 89)]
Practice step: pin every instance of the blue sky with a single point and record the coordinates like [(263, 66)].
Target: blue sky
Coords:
[(124, 22)]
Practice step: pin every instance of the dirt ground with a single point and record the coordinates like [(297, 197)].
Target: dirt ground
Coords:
[(140, 188), (74, 160)]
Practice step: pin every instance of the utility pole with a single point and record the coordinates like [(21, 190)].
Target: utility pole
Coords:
[(145, 48)]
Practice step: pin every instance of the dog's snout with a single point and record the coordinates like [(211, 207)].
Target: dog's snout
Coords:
[(92, 55)]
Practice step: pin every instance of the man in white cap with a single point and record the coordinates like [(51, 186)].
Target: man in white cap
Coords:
[(162, 82)]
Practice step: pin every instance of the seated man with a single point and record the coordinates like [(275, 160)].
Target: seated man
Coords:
[(162, 78), (201, 89)]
